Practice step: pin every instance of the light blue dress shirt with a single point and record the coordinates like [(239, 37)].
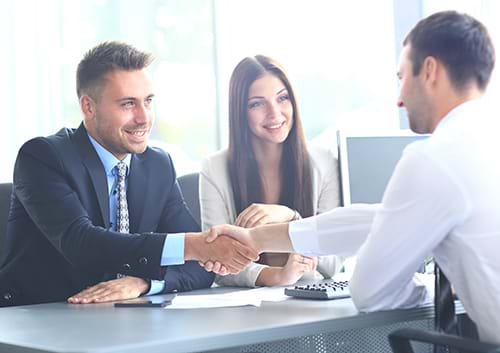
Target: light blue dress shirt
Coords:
[(173, 249)]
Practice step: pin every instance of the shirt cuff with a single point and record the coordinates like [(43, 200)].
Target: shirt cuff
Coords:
[(173, 250), (300, 236), (156, 287)]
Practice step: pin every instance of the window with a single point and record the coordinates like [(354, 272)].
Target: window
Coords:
[(46, 40), (342, 60), (340, 56)]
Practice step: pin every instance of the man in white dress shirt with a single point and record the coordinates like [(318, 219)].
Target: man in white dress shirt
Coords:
[(444, 196)]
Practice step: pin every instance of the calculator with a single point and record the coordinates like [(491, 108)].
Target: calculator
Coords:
[(325, 290)]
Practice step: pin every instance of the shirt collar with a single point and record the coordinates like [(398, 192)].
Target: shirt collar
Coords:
[(109, 161), (472, 104)]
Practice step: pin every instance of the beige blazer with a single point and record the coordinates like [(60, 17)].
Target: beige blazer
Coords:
[(217, 205)]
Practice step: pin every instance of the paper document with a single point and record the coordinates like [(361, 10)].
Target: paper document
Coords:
[(266, 294), (251, 297), (210, 301)]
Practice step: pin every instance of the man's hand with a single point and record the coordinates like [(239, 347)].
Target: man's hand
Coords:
[(272, 237), (127, 287), (258, 214), (241, 234), (229, 253)]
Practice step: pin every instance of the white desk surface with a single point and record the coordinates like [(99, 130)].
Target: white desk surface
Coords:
[(60, 327)]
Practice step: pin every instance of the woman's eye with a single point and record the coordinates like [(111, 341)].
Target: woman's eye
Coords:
[(283, 98), (255, 104)]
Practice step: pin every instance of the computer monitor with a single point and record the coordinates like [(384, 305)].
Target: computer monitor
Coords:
[(367, 163)]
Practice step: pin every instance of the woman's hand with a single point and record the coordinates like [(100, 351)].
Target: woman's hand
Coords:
[(258, 214), (293, 270)]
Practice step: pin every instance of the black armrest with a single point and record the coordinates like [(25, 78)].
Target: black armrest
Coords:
[(400, 341)]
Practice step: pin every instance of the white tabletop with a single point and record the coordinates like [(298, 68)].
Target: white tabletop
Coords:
[(60, 327)]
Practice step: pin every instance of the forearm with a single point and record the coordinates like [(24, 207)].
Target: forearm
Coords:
[(193, 242), (269, 276), (189, 276), (246, 278), (272, 238), (340, 231), (118, 253)]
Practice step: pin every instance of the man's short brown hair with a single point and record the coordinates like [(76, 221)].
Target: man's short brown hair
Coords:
[(104, 58)]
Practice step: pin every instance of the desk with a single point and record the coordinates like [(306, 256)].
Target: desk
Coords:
[(290, 326)]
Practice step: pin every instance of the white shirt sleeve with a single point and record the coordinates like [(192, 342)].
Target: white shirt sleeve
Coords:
[(422, 203), (340, 231)]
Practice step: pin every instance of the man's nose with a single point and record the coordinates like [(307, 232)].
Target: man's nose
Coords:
[(142, 114)]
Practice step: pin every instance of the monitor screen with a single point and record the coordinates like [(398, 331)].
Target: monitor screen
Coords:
[(367, 163)]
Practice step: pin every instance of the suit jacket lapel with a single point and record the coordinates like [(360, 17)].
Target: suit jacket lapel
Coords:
[(96, 171), (137, 190)]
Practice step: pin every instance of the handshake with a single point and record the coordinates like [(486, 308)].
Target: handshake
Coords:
[(223, 249), (228, 249)]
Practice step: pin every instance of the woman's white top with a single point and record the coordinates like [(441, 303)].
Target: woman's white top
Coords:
[(217, 205)]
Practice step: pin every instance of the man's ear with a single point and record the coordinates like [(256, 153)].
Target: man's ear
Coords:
[(430, 69), (88, 106)]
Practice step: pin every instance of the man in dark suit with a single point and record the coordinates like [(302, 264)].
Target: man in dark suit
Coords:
[(92, 206)]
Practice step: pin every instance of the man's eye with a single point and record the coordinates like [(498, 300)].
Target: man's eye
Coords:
[(128, 104), (148, 101)]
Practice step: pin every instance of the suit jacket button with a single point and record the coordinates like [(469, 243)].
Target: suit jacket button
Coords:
[(143, 261), (126, 267), (7, 296)]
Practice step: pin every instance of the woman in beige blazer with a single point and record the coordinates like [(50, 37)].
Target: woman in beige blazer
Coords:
[(268, 174)]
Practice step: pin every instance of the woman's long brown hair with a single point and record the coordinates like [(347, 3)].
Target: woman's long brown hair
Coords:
[(295, 168)]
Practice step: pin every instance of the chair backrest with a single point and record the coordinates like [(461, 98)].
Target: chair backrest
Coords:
[(400, 341), (5, 193), (189, 188)]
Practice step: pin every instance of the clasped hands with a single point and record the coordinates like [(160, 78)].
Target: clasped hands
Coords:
[(296, 266), (216, 251), (255, 215), (233, 250), (231, 256)]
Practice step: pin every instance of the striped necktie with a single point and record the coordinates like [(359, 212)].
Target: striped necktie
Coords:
[(122, 207)]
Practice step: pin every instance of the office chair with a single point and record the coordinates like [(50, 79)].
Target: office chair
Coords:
[(400, 341), (5, 194), (190, 191)]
